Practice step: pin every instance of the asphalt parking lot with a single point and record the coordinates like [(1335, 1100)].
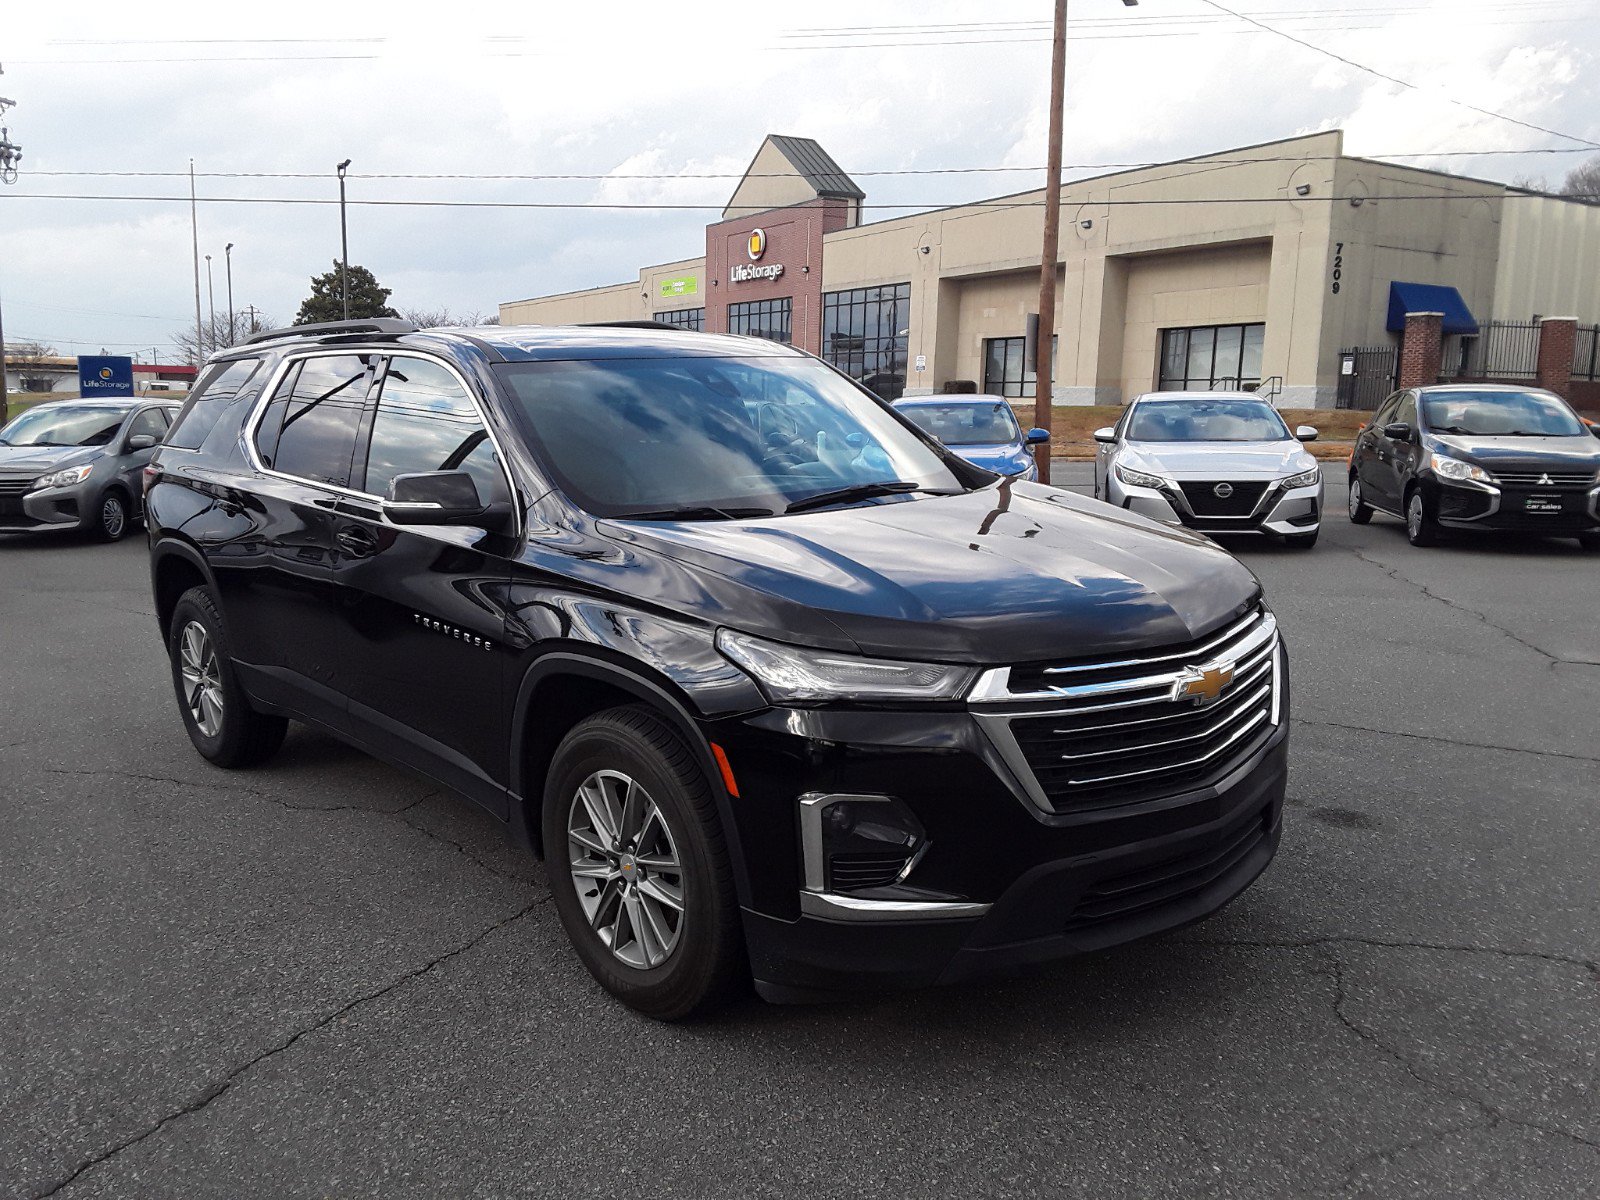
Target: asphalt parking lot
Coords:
[(327, 978)]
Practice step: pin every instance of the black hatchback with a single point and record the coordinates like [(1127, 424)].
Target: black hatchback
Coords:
[(778, 686), (1478, 457)]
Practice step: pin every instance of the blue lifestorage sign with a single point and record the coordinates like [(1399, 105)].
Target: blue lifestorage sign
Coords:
[(105, 375)]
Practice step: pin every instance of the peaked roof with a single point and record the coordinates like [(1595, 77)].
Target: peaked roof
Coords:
[(816, 166)]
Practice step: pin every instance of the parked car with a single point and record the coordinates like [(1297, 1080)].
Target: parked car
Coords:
[(981, 429), (1222, 462), (844, 717), (75, 464), (1478, 456)]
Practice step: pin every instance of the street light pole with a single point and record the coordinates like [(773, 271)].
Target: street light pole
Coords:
[(227, 252), (10, 156), (211, 294), (1050, 259), (344, 243)]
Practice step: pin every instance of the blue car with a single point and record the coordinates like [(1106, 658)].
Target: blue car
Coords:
[(981, 429)]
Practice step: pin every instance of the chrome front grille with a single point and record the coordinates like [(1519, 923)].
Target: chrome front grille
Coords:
[(17, 487), (1546, 479), (1091, 735)]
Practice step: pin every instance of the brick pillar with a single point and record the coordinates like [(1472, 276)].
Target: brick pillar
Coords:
[(1421, 349), (1557, 341)]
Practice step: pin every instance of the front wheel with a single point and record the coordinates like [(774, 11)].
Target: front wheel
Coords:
[(215, 710), (1360, 511), (638, 866), (111, 524), (1421, 529)]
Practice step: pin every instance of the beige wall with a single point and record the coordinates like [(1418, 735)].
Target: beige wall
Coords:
[(1549, 260), (618, 302), (771, 182)]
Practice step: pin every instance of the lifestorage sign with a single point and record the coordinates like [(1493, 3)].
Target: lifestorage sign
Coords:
[(105, 375)]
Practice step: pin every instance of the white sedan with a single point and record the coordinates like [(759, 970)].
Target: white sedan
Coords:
[(1220, 462)]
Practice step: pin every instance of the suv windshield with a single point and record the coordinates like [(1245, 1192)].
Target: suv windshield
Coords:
[(1206, 421), (65, 425), (701, 437), (1500, 414), (965, 424)]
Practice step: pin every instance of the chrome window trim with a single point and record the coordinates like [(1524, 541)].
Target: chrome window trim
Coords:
[(253, 423)]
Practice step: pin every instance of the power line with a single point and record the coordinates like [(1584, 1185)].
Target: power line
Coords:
[(1350, 62)]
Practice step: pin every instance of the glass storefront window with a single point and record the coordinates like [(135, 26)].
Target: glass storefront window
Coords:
[(866, 332), (768, 319), (1007, 370), (683, 318), (1211, 358)]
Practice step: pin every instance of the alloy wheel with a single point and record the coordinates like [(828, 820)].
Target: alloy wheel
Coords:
[(202, 679), (1355, 497), (113, 516), (1414, 517), (626, 869)]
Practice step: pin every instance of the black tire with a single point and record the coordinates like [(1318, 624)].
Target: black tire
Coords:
[(1301, 541), (1360, 513), (1589, 541), (115, 517), (1421, 529), (242, 737), (707, 957)]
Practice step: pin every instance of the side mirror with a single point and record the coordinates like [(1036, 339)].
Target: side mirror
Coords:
[(143, 441), (1306, 433), (1106, 434), (1036, 437), (441, 498), (1397, 431)]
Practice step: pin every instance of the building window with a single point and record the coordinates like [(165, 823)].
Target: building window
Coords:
[(1008, 370), (1211, 358), (865, 333), (761, 318), (683, 318)]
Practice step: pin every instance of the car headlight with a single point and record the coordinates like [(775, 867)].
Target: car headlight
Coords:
[(65, 478), (1304, 479), (1140, 479), (1453, 468), (790, 674)]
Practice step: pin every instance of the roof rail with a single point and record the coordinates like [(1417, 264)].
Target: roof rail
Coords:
[(387, 326), (633, 325)]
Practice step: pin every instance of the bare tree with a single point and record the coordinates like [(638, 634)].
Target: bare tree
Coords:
[(1583, 182), (25, 358), (198, 345), (1530, 183), (443, 318)]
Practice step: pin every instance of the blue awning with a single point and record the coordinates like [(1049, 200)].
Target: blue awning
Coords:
[(1429, 297)]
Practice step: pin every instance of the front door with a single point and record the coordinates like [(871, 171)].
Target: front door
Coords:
[(420, 607)]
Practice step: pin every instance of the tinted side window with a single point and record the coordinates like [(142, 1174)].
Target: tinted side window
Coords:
[(1407, 411), (425, 421), (151, 421), (1385, 412), (310, 427), (211, 398)]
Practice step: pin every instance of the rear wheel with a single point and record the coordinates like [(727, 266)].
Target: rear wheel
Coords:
[(215, 710), (1421, 529), (638, 866), (111, 523), (1360, 512)]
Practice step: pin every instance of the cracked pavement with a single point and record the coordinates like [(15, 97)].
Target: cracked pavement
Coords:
[(328, 977)]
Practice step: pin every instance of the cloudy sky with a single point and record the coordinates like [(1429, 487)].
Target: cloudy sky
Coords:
[(647, 100)]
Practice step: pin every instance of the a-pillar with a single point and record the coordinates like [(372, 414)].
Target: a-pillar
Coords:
[(1421, 350)]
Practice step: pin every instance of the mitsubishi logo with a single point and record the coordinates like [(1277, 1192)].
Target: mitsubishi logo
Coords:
[(1203, 685), (1544, 480), (1222, 491)]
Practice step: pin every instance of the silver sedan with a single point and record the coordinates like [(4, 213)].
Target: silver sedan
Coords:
[(1220, 462)]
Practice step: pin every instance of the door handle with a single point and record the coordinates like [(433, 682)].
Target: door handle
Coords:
[(356, 541)]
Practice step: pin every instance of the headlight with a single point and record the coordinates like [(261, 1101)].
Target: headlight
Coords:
[(1304, 479), (65, 478), (1140, 479), (790, 673), (1454, 468)]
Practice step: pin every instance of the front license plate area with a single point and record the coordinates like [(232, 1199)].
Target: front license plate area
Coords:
[(1546, 505)]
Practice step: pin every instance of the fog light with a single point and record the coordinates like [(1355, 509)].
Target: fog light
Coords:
[(855, 842)]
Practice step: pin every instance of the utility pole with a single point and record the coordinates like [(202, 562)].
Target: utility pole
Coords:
[(1050, 259), (194, 231), (344, 243), (254, 314), (233, 331), (10, 156)]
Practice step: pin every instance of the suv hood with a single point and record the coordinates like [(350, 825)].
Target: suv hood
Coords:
[(23, 460), (1531, 453), (1012, 573), (1217, 460)]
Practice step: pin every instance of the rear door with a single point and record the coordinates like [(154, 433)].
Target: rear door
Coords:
[(421, 621)]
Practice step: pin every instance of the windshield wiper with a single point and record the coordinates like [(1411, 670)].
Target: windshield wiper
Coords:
[(695, 512), (856, 491), (1454, 429)]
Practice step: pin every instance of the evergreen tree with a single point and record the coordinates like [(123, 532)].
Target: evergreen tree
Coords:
[(326, 302)]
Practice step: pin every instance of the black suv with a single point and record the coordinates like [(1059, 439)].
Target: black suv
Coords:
[(776, 685)]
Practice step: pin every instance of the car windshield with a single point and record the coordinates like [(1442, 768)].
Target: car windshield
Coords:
[(65, 425), (1500, 414), (966, 424), (709, 437), (1222, 420)]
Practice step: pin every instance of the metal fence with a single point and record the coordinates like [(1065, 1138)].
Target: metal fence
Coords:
[(1366, 375), (1502, 350), (1586, 353)]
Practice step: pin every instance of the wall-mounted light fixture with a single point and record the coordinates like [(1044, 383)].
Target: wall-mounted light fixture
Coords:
[(924, 249), (1303, 190), (1086, 223), (1357, 201)]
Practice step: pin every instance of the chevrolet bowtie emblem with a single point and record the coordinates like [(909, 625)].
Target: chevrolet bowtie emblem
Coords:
[(1203, 685)]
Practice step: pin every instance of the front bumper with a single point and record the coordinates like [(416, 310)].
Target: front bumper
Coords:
[(1467, 504), (1285, 512), (1002, 884), (49, 508)]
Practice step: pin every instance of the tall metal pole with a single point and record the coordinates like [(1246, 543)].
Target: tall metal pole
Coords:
[(211, 299), (1049, 261), (227, 252), (10, 155), (344, 243), (194, 230)]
